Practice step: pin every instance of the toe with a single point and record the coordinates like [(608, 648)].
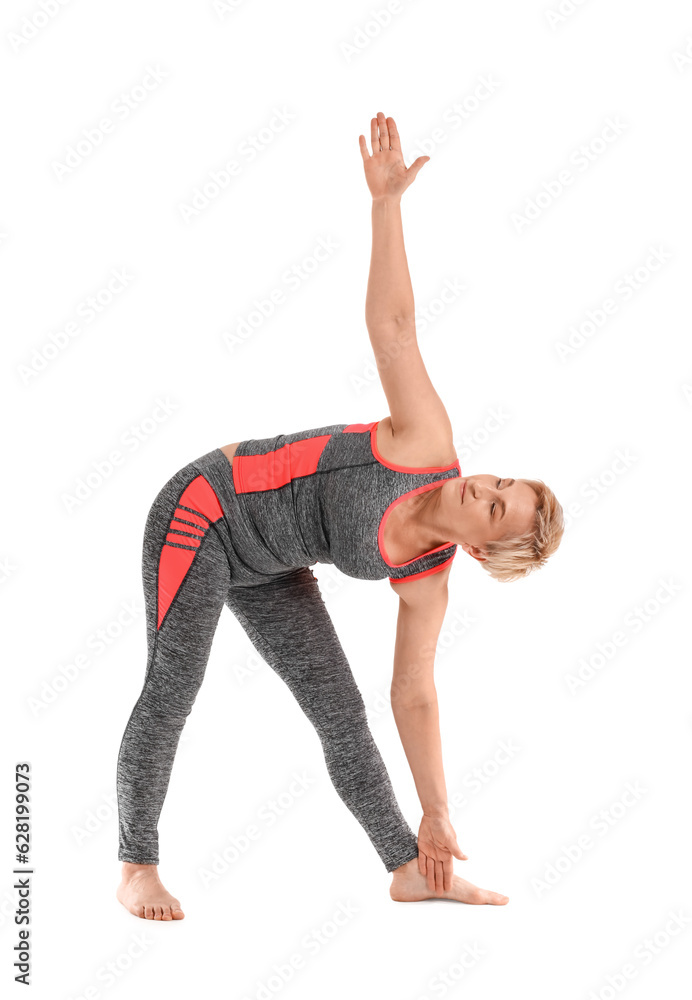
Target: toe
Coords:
[(166, 915), (496, 898), (177, 913), (158, 912), (149, 912)]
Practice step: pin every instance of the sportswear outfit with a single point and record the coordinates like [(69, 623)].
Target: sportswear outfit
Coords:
[(245, 535)]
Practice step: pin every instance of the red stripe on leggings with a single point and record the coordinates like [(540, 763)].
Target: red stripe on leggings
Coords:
[(200, 496), (174, 563), (179, 526), (174, 536), (197, 519)]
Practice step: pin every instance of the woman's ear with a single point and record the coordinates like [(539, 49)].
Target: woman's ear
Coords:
[(473, 550)]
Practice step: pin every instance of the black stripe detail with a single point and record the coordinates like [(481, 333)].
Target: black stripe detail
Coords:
[(199, 527), (193, 511), (175, 545), (187, 534)]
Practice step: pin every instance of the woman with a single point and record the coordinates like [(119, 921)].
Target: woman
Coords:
[(242, 525)]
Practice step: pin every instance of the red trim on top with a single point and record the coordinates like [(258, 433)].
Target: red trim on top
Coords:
[(425, 572), (380, 530), (252, 473), (358, 428), (406, 468)]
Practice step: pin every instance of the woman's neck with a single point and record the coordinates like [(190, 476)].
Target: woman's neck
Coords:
[(424, 529)]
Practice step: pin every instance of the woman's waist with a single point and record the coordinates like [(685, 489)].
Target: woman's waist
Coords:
[(229, 450)]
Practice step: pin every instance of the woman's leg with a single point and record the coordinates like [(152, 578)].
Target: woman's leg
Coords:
[(186, 579), (288, 623)]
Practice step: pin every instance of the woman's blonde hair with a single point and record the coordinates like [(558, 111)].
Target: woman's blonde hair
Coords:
[(516, 557)]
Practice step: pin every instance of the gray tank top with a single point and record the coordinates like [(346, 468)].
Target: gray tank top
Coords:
[(323, 496)]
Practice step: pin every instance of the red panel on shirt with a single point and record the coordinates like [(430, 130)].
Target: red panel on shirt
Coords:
[(252, 473)]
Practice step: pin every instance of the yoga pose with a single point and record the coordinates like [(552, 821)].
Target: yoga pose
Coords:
[(243, 524)]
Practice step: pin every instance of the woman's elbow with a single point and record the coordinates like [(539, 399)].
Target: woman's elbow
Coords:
[(420, 697)]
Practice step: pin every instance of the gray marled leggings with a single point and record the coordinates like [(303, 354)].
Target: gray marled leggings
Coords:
[(289, 625)]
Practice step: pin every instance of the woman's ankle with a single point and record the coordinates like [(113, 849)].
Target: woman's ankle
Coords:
[(131, 868), (407, 865)]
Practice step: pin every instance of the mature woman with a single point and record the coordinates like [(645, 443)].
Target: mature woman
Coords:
[(243, 524)]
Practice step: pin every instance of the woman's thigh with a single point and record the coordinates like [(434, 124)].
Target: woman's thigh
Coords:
[(288, 623), (185, 577)]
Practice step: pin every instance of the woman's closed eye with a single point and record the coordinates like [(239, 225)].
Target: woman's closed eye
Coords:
[(494, 505)]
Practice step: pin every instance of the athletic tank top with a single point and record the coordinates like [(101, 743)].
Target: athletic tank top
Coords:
[(324, 495)]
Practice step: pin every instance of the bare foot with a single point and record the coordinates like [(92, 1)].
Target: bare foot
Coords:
[(408, 885), (142, 893)]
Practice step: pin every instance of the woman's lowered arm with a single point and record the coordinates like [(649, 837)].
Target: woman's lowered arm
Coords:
[(414, 705)]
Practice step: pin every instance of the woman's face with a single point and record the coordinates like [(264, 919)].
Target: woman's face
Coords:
[(485, 508)]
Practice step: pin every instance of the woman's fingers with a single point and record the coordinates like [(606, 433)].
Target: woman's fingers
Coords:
[(431, 874), (363, 147), (384, 134), (394, 141), (437, 874), (374, 136)]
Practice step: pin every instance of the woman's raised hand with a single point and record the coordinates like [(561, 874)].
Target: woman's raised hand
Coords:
[(385, 171), (437, 846)]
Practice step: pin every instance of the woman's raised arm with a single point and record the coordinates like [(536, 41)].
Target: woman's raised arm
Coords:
[(389, 295), (418, 416)]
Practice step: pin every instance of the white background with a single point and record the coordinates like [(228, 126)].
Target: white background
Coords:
[(71, 568)]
